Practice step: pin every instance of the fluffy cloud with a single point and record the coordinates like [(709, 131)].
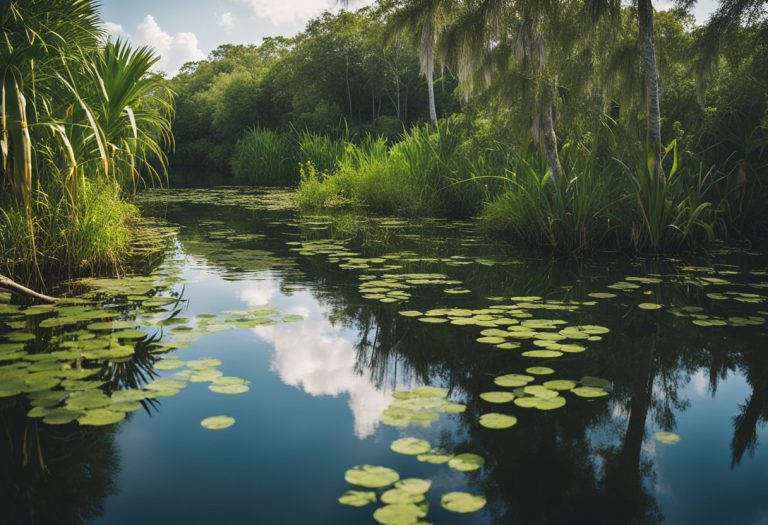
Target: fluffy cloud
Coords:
[(114, 29), (174, 50), (226, 19), (292, 11), (320, 358)]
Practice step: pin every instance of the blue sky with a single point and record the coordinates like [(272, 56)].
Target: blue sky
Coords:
[(183, 30)]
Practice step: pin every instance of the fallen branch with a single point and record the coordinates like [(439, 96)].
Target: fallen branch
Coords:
[(13, 286)]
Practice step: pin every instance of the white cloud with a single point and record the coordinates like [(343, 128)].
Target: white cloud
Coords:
[(174, 50), (700, 382), (279, 12), (114, 29), (226, 19), (320, 358)]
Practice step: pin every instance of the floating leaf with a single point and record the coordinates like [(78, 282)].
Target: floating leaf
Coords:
[(371, 476), (414, 485), (217, 422), (100, 417), (462, 502), (497, 397), (497, 421), (402, 514), (513, 380), (410, 446), (466, 462), (668, 438), (540, 370), (400, 496), (589, 391), (358, 498), (649, 306)]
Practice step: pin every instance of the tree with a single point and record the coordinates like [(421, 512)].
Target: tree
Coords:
[(424, 20)]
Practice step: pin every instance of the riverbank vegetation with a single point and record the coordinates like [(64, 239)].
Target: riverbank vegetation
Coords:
[(84, 123), (570, 125)]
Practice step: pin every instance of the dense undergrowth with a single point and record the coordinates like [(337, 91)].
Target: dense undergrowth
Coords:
[(85, 121)]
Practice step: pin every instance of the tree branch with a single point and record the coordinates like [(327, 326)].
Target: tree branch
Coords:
[(8, 284)]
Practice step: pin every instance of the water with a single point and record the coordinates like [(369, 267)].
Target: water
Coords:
[(319, 386)]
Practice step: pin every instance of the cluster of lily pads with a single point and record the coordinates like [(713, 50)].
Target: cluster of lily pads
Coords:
[(421, 406), (508, 326), (67, 358), (389, 288), (252, 199), (405, 502), (548, 395)]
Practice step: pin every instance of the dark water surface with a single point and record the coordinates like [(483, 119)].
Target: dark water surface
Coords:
[(693, 361)]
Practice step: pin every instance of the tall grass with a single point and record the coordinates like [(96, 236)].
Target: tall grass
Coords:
[(93, 241), (265, 158), (425, 173), (322, 151), (577, 214)]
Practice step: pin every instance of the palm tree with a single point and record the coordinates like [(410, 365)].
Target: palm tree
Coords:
[(508, 39), (652, 95), (424, 19)]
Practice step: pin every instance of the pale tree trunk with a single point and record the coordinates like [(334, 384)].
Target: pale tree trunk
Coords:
[(427, 66), (653, 95), (549, 136), (431, 93)]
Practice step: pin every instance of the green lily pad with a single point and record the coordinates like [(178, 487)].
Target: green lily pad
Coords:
[(497, 421), (435, 457), (401, 514), (410, 446), (217, 422), (358, 498), (649, 306), (513, 380), (229, 389), (399, 496), (540, 370), (589, 391), (466, 462), (551, 404), (462, 502), (414, 485), (668, 438), (497, 397), (371, 476), (100, 417)]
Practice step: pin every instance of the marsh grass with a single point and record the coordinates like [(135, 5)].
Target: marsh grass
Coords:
[(91, 239)]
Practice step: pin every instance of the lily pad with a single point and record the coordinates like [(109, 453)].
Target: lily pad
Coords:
[(410, 446), (668, 438), (497, 421), (217, 422), (462, 502), (371, 476), (466, 462), (402, 514), (358, 498), (100, 417), (497, 397)]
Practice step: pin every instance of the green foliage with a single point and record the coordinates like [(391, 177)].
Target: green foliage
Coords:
[(78, 116), (578, 214), (265, 158), (93, 241), (321, 150)]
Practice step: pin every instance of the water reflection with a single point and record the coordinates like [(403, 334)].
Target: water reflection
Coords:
[(590, 462)]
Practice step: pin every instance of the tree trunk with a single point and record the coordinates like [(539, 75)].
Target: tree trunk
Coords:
[(653, 96), (8, 284), (549, 138), (431, 92)]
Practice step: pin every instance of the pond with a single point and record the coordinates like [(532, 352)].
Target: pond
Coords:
[(276, 368)]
